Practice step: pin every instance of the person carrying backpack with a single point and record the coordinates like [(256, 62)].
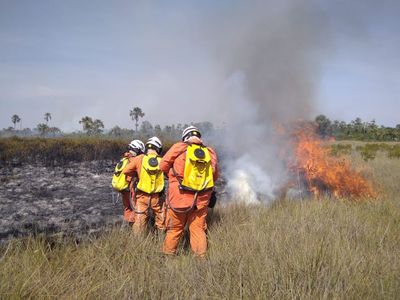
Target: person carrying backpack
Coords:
[(125, 184), (150, 186), (192, 171)]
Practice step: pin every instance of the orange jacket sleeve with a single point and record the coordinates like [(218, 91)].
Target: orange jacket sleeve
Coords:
[(131, 169), (168, 160)]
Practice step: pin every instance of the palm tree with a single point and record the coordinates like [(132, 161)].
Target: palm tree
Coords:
[(135, 114), (47, 117), (15, 119)]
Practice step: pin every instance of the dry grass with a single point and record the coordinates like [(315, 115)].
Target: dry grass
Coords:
[(291, 249), (59, 151)]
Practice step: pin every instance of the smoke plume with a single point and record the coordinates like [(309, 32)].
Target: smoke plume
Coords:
[(269, 53)]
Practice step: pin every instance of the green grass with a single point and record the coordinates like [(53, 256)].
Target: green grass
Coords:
[(290, 249), (367, 150)]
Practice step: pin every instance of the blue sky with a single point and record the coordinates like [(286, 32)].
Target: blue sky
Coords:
[(362, 78), (101, 58)]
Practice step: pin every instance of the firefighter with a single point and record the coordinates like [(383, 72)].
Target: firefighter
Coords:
[(135, 148), (150, 186), (192, 169)]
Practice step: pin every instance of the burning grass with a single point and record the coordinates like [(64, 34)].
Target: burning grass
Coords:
[(318, 171)]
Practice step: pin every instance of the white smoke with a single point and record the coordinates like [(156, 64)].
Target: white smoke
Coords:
[(270, 54), (249, 181), (246, 154)]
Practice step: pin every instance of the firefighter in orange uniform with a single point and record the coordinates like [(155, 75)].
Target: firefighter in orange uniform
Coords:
[(192, 170), (135, 148), (150, 185)]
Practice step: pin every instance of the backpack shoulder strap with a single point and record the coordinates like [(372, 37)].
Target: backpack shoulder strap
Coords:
[(173, 169)]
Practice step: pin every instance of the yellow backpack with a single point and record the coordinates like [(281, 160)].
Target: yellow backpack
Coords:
[(151, 179), (119, 182), (198, 174)]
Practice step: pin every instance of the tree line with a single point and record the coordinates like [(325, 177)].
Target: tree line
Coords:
[(326, 128), (356, 130), (95, 127), (41, 129)]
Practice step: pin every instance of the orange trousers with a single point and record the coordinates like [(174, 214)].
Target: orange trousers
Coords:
[(129, 214), (145, 202), (175, 225)]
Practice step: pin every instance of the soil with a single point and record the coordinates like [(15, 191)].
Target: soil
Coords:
[(76, 199)]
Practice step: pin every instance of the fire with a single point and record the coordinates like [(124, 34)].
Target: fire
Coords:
[(323, 174)]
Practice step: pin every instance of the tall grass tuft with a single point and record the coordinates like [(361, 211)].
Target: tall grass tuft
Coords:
[(305, 249)]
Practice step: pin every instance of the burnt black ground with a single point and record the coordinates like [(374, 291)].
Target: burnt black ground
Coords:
[(76, 199)]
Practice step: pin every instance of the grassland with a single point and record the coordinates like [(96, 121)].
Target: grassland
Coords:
[(289, 249)]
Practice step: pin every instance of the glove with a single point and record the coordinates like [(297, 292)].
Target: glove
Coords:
[(213, 199)]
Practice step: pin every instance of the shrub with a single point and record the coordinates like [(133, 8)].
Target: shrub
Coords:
[(369, 151)]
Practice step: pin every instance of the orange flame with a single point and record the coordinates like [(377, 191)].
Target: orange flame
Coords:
[(323, 173)]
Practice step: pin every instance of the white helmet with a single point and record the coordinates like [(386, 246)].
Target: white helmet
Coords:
[(190, 131), (137, 146), (154, 143)]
